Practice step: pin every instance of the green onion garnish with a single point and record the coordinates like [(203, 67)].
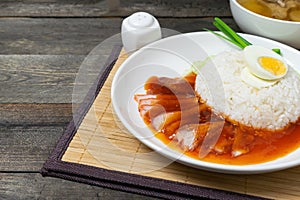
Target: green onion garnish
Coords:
[(231, 36), (277, 51)]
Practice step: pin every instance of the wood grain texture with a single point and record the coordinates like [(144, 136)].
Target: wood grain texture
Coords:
[(25, 148), (100, 8), (76, 36), (34, 186), (38, 79), (29, 132), (45, 78), (55, 36), (185, 25), (12, 115)]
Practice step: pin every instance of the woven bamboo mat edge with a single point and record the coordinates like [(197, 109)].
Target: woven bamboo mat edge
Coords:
[(150, 186)]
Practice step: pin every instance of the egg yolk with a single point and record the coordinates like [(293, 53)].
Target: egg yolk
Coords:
[(272, 65)]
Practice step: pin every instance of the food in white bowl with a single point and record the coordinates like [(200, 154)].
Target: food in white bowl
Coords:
[(248, 125), (281, 28), (170, 58), (277, 9)]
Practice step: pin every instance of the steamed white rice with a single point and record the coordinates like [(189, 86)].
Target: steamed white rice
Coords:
[(220, 85)]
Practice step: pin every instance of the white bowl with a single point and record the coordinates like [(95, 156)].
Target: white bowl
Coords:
[(284, 31)]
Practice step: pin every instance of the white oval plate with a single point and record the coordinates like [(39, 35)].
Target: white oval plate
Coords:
[(171, 57)]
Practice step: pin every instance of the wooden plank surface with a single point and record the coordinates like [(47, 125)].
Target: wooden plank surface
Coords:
[(55, 36), (38, 78), (34, 186), (26, 148), (99, 8), (35, 114), (75, 36)]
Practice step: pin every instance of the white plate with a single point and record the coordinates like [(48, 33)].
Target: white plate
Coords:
[(171, 57)]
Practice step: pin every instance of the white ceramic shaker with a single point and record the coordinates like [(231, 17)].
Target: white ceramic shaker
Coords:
[(139, 29)]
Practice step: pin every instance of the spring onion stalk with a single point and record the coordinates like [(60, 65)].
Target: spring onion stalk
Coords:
[(231, 36)]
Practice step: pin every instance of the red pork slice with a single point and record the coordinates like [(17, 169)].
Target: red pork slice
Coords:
[(159, 85), (242, 142), (224, 143), (158, 121), (171, 129), (175, 120), (162, 123), (192, 135), (214, 132), (170, 104), (191, 79), (139, 97), (189, 137)]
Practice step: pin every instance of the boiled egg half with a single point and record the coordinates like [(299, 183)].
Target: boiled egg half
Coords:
[(264, 66)]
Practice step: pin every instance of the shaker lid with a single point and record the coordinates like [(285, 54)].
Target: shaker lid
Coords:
[(141, 20)]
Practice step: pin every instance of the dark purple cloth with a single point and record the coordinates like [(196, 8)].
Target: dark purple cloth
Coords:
[(155, 187)]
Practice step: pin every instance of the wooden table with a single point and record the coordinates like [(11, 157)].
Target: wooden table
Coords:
[(43, 43)]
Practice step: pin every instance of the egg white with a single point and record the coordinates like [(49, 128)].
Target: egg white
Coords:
[(252, 53), (254, 81)]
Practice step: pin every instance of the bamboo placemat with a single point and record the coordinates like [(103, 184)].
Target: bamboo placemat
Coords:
[(102, 152)]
